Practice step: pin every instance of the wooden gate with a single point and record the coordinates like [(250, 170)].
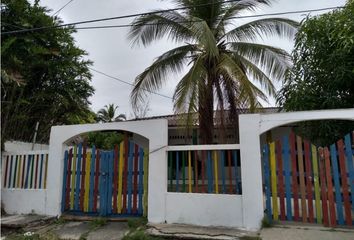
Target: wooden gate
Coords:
[(309, 184), (106, 183)]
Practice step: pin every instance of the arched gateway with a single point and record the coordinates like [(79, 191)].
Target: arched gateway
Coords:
[(64, 187)]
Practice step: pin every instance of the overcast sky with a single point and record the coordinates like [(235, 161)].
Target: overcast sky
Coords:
[(111, 51)]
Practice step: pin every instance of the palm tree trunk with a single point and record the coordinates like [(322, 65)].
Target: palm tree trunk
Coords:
[(206, 111)]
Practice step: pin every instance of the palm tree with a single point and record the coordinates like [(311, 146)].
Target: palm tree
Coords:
[(108, 114), (227, 67)]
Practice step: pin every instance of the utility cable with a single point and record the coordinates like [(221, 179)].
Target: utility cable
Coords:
[(122, 81), (66, 4)]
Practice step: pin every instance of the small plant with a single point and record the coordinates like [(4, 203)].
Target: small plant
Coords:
[(140, 235), (98, 222), (266, 223), (250, 238), (60, 220), (135, 223)]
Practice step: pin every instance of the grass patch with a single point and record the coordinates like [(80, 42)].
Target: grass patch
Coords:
[(98, 222), (140, 235), (23, 237), (250, 238), (135, 223), (60, 220), (266, 223)]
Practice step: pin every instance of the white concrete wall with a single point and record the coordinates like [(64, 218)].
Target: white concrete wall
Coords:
[(17, 146), (204, 209), (23, 201)]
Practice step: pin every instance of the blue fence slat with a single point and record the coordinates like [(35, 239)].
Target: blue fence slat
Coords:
[(141, 179), (177, 171), (64, 179), (210, 171), (339, 203), (92, 177), (286, 157), (110, 160), (103, 184), (78, 177), (15, 172), (130, 171), (266, 173), (222, 167), (349, 152), (29, 160), (234, 157), (41, 171)]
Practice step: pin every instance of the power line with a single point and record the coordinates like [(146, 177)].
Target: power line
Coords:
[(117, 17), (128, 83), (133, 15), (239, 17), (66, 4)]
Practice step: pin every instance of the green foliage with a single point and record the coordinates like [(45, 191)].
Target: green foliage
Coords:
[(224, 63), (98, 222), (140, 235), (104, 140), (266, 222), (323, 72), (135, 223), (108, 114), (44, 76)]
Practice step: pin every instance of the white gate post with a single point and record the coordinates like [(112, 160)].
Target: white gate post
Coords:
[(251, 171)]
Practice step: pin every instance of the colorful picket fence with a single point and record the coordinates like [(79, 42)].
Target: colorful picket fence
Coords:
[(25, 170), (106, 183), (204, 171), (309, 184)]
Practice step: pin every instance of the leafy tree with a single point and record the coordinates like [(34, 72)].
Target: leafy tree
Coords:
[(44, 76), (108, 114), (104, 140), (225, 61), (323, 73)]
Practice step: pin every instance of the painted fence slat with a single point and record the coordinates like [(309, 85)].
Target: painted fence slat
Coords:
[(273, 181), (82, 180), (130, 174), (309, 181), (189, 172), (302, 178), (141, 179), (229, 170), (183, 172), (68, 177), (349, 153), (41, 171), (267, 181), (125, 173), (6, 171), (337, 187), (280, 179), (15, 172), (97, 173), (73, 177), (109, 169), (170, 178), (92, 178), (316, 183), (286, 158), (294, 177), (36, 171), (78, 177), (177, 171), (332, 210), (120, 176), (345, 187), (196, 180), (103, 183), (237, 189), (23, 171), (323, 187), (203, 171), (222, 167), (27, 172), (216, 172), (115, 178), (209, 170), (19, 172), (146, 173), (65, 172), (87, 182)]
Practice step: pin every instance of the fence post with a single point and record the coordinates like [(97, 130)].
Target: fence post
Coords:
[(251, 171)]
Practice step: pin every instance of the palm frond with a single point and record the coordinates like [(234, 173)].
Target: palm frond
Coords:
[(280, 27), (152, 78), (152, 27), (274, 61)]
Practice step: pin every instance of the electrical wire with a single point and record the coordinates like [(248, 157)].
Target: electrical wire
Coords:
[(66, 4), (128, 83)]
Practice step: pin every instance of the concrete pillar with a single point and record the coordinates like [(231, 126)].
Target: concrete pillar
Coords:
[(251, 171)]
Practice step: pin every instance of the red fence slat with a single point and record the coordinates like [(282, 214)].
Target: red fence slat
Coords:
[(309, 181), (332, 210), (280, 179), (294, 176)]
